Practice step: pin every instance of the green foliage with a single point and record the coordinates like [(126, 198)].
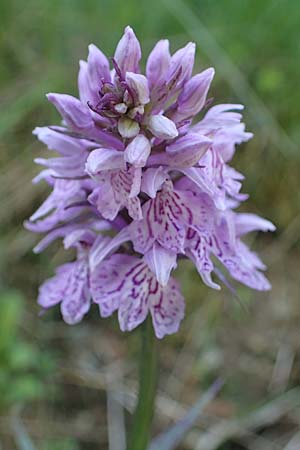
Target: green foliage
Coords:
[(22, 364), (60, 444)]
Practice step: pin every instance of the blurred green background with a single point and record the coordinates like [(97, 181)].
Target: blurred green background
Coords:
[(55, 380)]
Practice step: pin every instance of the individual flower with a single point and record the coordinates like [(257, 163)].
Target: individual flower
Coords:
[(141, 178)]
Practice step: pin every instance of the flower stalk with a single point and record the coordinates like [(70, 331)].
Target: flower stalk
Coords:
[(143, 415)]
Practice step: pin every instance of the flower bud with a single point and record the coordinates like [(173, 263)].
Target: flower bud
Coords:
[(162, 127), (137, 151), (128, 128), (120, 108), (136, 112)]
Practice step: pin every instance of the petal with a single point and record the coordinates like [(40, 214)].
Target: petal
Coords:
[(86, 93), (46, 174), (70, 288), (162, 127), (79, 236), (98, 68), (68, 166), (63, 192), (224, 109), (181, 66), (193, 96), (52, 291), (209, 178), (126, 283), (167, 308), (245, 223), (134, 208), (136, 177), (77, 297), (242, 266), (226, 138), (126, 186), (158, 63), (135, 296), (201, 212), (198, 251), (103, 159), (161, 262), (184, 152), (231, 183), (128, 52), (138, 85), (50, 237), (138, 151), (104, 199), (65, 145), (122, 283), (153, 180), (164, 221), (206, 184), (107, 281), (219, 116), (56, 218), (104, 246), (76, 115)]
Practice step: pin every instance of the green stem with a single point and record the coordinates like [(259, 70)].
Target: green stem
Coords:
[(143, 415)]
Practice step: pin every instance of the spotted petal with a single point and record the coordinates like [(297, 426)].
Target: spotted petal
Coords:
[(103, 197), (198, 250), (70, 288), (165, 218), (242, 264), (107, 281), (167, 309)]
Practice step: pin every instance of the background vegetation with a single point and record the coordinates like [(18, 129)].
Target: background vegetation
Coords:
[(60, 386)]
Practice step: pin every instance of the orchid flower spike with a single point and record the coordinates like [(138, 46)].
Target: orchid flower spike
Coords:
[(143, 157)]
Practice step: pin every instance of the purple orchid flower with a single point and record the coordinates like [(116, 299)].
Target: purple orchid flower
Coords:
[(132, 160)]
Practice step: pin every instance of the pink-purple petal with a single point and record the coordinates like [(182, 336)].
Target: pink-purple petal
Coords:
[(161, 262), (167, 309), (158, 63), (128, 52)]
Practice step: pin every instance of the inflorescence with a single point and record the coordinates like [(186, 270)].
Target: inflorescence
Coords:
[(139, 183)]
